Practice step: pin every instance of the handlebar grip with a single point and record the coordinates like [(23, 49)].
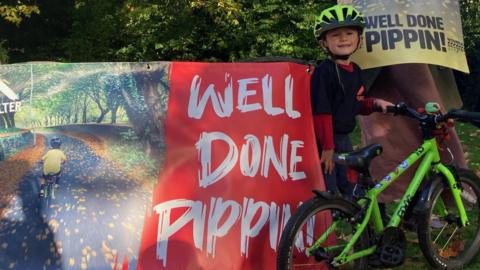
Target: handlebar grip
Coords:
[(465, 115)]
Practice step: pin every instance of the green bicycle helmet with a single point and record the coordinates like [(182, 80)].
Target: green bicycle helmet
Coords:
[(336, 17)]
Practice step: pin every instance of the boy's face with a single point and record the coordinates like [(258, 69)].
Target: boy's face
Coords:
[(341, 41)]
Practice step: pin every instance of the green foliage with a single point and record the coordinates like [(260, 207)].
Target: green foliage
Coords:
[(468, 83), (129, 135), (129, 153), (88, 94), (9, 130), (15, 11), (470, 136), (41, 36), (470, 10), (189, 30), (132, 156), (194, 30), (3, 53)]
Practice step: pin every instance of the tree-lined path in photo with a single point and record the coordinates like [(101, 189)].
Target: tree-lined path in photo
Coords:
[(94, 222)]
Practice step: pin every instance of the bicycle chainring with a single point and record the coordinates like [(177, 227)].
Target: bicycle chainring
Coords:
[(391, 247)]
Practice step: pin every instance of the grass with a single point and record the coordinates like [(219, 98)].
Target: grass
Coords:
[(129, 153), (470, 138), (9, 130)]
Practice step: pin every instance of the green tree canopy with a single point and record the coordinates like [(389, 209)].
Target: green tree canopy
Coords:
[(15, 11), (141, 30), (189, 30), (468, 83)]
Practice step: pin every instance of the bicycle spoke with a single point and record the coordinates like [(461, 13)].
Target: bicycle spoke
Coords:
[(321, 233), (438, 236), (450, 238)]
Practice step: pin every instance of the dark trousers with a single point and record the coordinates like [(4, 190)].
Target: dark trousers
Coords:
[(337, 181)]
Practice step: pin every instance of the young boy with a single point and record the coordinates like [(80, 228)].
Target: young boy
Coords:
[(337, 91), (52, 162)]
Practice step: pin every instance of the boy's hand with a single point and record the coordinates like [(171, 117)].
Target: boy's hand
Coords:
[(327, 161), (382, 104)]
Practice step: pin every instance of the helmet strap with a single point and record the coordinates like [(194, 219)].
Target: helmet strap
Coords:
[(339, 57)]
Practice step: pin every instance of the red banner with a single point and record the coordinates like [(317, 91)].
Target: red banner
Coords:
[(241, 156)]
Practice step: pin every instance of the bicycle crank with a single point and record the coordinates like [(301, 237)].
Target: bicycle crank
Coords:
[(391, 248)]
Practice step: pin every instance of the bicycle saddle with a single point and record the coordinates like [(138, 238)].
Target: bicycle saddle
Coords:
[(360, 159)]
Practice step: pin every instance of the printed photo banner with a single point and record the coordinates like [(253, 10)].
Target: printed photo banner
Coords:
[(240, 158), (411, 31), (109, 118)]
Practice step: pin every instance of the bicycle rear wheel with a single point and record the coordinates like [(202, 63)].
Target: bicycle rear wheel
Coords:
[(444, 243), (46, 198), (308, 224), (52, 190)]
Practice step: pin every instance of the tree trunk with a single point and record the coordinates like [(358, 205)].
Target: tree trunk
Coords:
[(75, 117), (12, 119), (103, 112), (149, 81), (114, 115), (84, 109), (6, 119)]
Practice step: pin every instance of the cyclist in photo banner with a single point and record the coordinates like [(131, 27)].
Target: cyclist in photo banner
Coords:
[(52, 163), (338, 92)]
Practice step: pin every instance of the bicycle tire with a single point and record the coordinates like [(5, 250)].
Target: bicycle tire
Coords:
[(46, 199), (313, 207), (52, 190), (452, 253)]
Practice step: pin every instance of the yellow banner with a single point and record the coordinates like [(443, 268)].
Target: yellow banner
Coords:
[(410, 31)]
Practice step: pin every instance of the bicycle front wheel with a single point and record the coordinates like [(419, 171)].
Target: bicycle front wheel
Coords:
[(314, 219), (444, 242)]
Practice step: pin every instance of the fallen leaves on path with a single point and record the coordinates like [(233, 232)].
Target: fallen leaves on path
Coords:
[(13, 169), (95, 143), (99, 146)]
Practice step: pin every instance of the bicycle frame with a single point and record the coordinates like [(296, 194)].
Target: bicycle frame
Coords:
[(430, 162)]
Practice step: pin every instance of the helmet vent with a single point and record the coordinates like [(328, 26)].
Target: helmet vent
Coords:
[(354, 14), (326, 19), (344, 12), (334, 14)]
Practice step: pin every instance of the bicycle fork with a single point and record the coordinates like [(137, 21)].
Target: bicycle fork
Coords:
[(456, 190)]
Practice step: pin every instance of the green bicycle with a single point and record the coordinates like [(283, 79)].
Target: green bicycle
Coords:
[(330, 231)]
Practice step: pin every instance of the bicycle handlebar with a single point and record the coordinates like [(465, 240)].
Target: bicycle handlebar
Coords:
[(464, 115), (403, 109)]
